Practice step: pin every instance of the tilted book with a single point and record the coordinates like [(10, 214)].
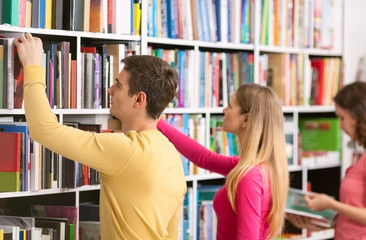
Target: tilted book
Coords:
[(296, 205)]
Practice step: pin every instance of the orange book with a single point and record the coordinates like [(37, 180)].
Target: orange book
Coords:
[(73, 83), (96, 16)]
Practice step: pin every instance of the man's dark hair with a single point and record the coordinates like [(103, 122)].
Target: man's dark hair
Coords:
[(153, 76)]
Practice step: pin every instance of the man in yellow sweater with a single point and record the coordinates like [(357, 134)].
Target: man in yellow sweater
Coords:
[(142, 181)]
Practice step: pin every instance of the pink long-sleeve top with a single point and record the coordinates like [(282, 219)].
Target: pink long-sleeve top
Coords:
[(352, 192), (253, 197)]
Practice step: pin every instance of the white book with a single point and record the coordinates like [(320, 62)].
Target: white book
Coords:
[(187, 20), (224, 80), (211, 20), (117, 16), (126, 16), (105, 15), (35, 167)]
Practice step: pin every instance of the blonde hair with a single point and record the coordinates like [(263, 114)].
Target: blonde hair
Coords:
[(263, 143)]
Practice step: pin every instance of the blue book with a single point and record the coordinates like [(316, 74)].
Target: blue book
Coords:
[(154, 18), (228, 21), (181, 80), (42, 13), (218, 19), (204, 20), (21, 127), (164, 18), (150, 22), (171, 19), (202, 80), (185, 161)]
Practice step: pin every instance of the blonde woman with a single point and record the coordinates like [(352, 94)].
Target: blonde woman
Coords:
[(251, 203)]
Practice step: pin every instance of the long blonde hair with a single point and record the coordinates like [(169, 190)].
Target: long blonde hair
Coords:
[(263, 143)]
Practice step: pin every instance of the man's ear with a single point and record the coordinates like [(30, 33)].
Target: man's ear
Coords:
[(140, 99)]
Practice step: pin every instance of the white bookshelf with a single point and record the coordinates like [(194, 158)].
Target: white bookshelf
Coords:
[(102, 115)]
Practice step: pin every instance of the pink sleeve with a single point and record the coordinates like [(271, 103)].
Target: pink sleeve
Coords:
[(197, 153), (249, 205)]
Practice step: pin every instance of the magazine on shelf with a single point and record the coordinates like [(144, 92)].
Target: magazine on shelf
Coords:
[(296, 205)]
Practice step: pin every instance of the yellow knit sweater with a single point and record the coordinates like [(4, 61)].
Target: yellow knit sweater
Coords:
[(142, 181)]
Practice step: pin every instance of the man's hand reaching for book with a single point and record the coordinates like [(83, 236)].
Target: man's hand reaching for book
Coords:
[(30, 49)]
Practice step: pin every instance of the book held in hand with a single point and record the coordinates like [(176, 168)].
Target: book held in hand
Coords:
[(296, 205)]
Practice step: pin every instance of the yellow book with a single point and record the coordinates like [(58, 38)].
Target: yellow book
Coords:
[(48, 15), (137, 17), (264, 24), (158, 16), (28, 18)]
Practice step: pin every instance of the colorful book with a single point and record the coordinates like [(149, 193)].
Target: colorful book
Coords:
[(21, 127), (19, 80), (10, 146), (296, 204), (11, 12)]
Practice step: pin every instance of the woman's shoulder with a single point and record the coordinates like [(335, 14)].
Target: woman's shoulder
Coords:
[(255, 173)]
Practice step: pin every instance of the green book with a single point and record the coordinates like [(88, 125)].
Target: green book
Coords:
[(72, 231), (9, 181), (296, 204), (320, 134), (11, 12)]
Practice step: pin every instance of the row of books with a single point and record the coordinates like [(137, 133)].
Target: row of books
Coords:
[(100, 65), (26, 165), (119, 17), (57, 222), (326, 80), (194, 126), (218, 75), (221, 74), (205, 216), (285, 74), (205, 20), (301, 23), (319, 142)]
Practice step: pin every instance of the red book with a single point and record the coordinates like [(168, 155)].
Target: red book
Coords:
[(10, 152), (19, 79), (88, 49), (318, 65)]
